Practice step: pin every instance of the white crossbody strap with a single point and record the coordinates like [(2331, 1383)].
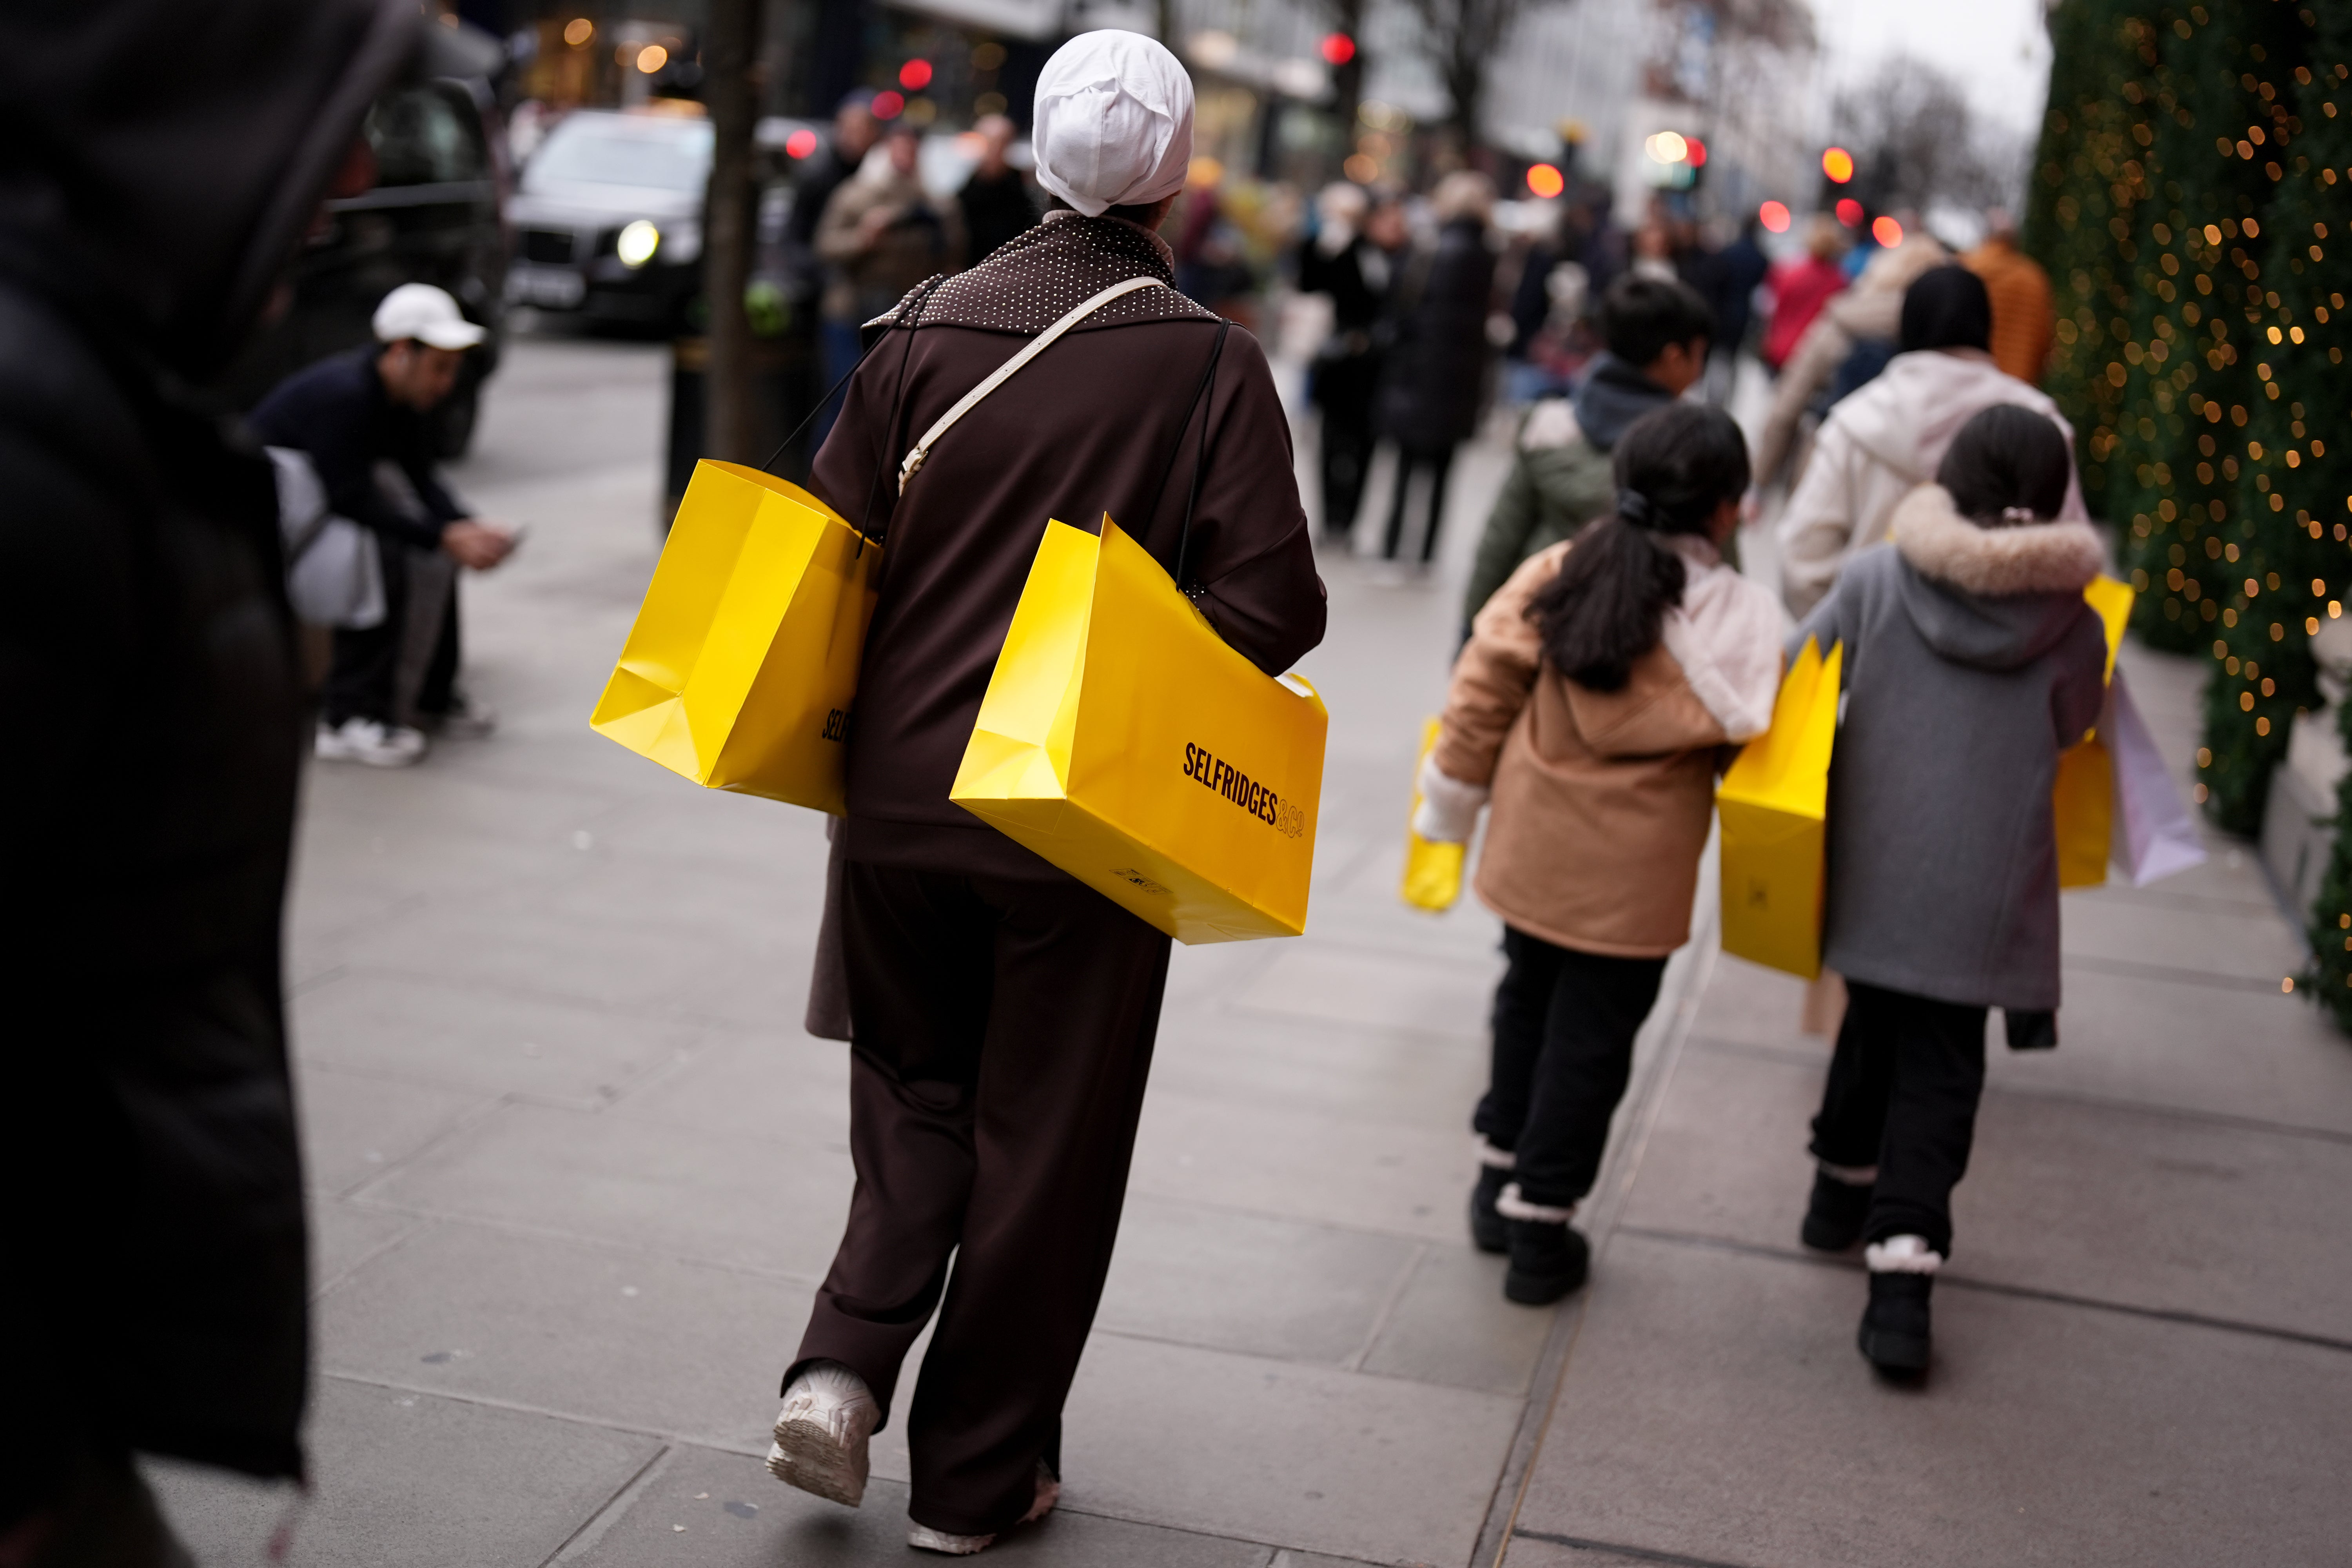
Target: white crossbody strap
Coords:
[(1037, 345)]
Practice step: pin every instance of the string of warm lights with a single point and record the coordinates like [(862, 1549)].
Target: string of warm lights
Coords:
[(2195, 165)]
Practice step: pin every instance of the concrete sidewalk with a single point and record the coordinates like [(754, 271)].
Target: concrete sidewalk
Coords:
[(577, 1170)]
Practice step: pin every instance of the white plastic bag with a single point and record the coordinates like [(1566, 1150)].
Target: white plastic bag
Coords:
[(2154, 834), (334, 576)]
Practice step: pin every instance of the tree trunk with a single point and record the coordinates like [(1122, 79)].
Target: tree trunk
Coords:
[(732, 97)]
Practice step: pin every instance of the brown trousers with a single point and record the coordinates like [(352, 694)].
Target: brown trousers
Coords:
[(1003, 1034)]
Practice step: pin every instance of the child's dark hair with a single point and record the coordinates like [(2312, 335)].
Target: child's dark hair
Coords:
[(1675, 467), (2008, 465), (1640, 317)]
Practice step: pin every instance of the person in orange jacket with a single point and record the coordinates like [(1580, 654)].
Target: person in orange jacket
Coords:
[(2024, 322)]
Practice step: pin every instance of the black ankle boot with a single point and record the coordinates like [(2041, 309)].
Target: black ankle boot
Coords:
[(1833, 1220), (1895, 1325), (1549, 1260), (1488, 1230)]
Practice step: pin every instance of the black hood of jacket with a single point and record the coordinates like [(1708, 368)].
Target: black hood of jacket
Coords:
[(160, 160)]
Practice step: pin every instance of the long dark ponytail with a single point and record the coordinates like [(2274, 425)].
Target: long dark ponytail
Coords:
[(1673, 468)]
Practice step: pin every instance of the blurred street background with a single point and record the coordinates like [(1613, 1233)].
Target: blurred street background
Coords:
[(575, 1168)]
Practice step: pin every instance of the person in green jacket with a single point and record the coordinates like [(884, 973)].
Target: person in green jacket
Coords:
[(1656, 333)]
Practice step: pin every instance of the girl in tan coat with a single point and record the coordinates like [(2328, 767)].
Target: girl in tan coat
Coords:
[(1591, 705)]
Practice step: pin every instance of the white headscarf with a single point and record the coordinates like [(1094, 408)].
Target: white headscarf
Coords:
[(1114, 121)]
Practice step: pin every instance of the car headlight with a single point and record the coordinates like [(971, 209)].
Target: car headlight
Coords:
[(638, 244)]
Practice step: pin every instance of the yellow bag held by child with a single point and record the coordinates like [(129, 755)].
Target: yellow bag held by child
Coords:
[(2082, 798), (1773, 804), (1122, 739), (1432, 872), (740, 671)]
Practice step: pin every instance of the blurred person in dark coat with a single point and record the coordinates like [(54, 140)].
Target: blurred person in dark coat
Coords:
[(159, 178), (1434, 382), (996, 200), (1353, 258)]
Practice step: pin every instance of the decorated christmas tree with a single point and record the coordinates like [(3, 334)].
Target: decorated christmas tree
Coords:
[(2195, 169)]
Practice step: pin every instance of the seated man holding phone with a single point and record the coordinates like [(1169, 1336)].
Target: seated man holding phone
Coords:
[(361, 417)]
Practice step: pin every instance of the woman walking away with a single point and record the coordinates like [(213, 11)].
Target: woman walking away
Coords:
[(1003, 1012), (1970, 662), (1589, 705), (1434, 381)]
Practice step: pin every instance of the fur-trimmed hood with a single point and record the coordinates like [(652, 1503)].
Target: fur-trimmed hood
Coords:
[(2029, 558), (1996, 598)]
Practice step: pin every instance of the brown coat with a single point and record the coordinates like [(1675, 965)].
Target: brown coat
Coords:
[(1602, 798), (1090, 427)]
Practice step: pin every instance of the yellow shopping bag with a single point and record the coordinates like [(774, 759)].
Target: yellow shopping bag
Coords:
[(741, 666), (1124, 741), (1773, 804), (2082, 799), (1432, 872)]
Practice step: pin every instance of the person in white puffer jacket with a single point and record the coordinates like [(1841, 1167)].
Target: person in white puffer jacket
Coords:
[(1886, 440)]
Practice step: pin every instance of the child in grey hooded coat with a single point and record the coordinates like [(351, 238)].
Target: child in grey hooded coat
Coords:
[(1972, 661)]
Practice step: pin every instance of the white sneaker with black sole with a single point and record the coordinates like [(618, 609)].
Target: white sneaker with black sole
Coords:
[(821, 1437), (368, 740)]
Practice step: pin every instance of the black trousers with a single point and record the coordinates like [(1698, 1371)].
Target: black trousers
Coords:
[(1345, 388), (1902, 1094), (1439, 461), (1564, 1024), (364, 679), (1004, 1035)]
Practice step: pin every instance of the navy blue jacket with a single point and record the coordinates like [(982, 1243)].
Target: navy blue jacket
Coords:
[(338, 412)]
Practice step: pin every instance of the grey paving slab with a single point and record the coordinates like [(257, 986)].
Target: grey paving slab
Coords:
[(479, 1038), (1392, 990), (1277, 1160), (355, 1126), (725, 1198), (605, 1334), (775, 1083), (1715, 1407), (1747, 1002), (2167, 936), (2121, 1205), (713, 1509), (1451, 1324), (1291, 1455), (343, 1235), (2227, 1052), (1243, 1282), (409, 1478), (1374, 1074), (626, 933)]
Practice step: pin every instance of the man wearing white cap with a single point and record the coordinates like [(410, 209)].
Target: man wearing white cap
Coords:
[(355, 412), (1003, 1014)]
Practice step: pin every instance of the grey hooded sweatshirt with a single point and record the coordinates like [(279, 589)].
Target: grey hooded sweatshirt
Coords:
[(1970, 662)]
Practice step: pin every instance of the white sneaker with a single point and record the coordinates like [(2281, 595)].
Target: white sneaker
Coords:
[(366, 741), (923, 1538), (821, 1435)]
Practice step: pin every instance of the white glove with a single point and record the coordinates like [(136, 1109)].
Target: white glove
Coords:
[(1449, 808)]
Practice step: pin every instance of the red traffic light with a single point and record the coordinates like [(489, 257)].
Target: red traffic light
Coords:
[(915, 75), (801, 142), (1849, 213), (1338, 48), (1773, 215), (1695, 150)]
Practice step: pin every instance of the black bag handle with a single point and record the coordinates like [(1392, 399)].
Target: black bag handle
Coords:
[(909, 319), (1201, 399)]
